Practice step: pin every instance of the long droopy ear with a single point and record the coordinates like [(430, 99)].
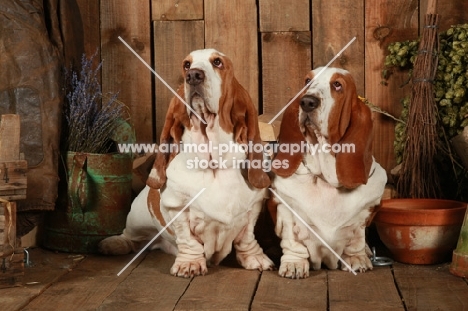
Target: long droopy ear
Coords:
[(177, 120), (290, 134), (237, 115), (350, 125)]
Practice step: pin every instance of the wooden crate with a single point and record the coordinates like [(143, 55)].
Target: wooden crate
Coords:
[(13, 181), (12, 187), (11, 256)]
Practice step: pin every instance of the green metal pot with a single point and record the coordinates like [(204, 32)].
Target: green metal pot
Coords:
[(94, 205)]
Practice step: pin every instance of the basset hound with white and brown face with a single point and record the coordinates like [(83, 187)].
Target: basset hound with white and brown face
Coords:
[(334, 185), (198, 153)]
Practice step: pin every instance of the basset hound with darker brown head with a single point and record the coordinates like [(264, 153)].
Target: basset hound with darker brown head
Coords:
[(199, 148), (334, 184)]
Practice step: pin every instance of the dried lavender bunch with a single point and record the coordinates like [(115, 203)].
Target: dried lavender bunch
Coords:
[(90, 117)]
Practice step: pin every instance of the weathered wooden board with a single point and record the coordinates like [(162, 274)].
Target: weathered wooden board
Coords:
[(9, 137), (47, 267), (276, 16), (176, 9), (222, 288), (13, 182), (12, 272), (11, 256), (364, 291), (149, 287), (428, 287), (333, 29), (451, 13), (89, 11), (277, 293), (386, 22), (7, 228), (286, 59), (122, 71), (87, 285), (74, 282), (231, 28), (173, 41)]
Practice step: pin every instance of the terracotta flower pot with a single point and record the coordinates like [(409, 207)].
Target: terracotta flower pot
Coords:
[(420, 231)]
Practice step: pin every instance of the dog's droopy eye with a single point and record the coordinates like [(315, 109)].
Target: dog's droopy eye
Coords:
[(187, 65), (337, 85), (307, 81), (217, 62)]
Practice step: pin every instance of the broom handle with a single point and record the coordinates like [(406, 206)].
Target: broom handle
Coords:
[(431, 7)]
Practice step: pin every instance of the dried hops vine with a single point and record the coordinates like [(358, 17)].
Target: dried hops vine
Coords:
[(450, 85), (451, 94), (90, 117)]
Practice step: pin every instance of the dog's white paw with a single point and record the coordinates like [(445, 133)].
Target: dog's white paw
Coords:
[(189, 268), (116, 245), (259, 262), (298, 269), (359, 263)]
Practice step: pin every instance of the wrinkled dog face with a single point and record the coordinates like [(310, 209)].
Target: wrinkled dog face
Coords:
[(318, 100), (203, 70)]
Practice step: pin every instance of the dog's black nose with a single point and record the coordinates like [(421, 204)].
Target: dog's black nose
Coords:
[(195, 76), (309, 103)]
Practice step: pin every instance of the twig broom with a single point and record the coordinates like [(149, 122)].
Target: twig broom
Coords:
[(418, 176)]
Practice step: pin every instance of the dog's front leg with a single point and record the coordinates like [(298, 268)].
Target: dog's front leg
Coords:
[(354, 254), (190, 260), (249, 254), (295, 259)]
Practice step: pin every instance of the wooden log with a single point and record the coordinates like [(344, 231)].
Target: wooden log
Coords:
[(122, 71), (387, 22), (171, 10), (276, 16), (173, 41), (231, 28), (286, 59)]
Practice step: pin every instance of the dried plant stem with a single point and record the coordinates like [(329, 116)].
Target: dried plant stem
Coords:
[(91, 116), (419, 177), (377, 109)]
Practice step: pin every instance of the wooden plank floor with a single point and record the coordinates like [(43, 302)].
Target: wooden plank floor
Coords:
[(58, 281)]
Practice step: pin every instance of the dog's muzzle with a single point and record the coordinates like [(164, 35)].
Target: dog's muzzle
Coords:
[(194, 77), (309, 103)]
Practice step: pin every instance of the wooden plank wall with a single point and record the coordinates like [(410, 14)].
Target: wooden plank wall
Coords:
[(273, 44)]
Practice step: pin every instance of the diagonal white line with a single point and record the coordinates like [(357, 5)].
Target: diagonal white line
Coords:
[(161, 79), (314, 232), (160, 232), (308, 84)]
